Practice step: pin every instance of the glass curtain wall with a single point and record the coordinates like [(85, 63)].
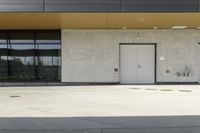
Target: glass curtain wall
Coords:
[(30, 56), (48, 56), (3, 57)]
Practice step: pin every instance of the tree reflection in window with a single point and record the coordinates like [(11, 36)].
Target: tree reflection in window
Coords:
[(30, 55)]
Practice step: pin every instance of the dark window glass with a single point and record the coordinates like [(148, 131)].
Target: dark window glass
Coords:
[(48, 59), (3, 57), (21, 62), (3, 68), (3, 38), (30, 56), (45, 37), (21, 38), (21, 56)]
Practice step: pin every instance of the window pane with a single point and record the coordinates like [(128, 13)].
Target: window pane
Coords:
[(48, 37), (3, 38), (21, 60), (3, 68), (49, 62), (30, 56), (22, 68), (3, 58), (21, 56), (21, 37), (3, 50)]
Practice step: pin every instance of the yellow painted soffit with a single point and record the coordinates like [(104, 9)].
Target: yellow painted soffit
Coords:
[(97, 20)]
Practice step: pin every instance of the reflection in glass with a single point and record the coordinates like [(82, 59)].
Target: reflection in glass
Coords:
[(30, 56), (48, 56), (21, 56), (3, 68), (46, 37), (21, 37), (3, 57)]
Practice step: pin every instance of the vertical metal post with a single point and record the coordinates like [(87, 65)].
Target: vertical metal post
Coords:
[(199, 6), (44, 2), (122, 3)]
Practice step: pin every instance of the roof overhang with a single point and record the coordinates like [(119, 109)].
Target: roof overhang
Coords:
[(98, 20)]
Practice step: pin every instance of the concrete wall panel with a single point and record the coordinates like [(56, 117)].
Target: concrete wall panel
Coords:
[(92, 55)]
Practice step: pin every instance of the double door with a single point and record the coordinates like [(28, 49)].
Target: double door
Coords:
[(137, 64)]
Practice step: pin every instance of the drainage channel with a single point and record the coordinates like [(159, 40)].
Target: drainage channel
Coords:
[(164, 90), (15, 96)]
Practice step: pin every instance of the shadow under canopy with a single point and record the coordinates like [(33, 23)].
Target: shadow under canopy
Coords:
[(129, 124)]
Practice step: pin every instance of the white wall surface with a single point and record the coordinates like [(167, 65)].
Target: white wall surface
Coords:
[(92, 55)]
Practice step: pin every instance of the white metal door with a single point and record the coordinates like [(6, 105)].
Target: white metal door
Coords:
[(137, 64), (146, 62), (128, 67)]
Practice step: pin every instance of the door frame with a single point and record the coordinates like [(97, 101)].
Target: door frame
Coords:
[(155, 58), (198, 63)]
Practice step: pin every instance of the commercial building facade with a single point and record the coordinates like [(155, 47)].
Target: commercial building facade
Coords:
[(99, 41)]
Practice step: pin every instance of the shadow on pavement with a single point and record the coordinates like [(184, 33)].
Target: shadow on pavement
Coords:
[(144, 124)]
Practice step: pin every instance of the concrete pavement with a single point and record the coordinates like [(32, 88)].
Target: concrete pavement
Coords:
[(100, 109)]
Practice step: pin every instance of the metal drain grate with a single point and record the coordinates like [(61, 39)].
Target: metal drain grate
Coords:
[(14, 96), (185, 90), (152, 89), (134, 88), (168, 90)]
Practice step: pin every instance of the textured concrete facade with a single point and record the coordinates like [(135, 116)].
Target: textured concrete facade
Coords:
[(92, 55)]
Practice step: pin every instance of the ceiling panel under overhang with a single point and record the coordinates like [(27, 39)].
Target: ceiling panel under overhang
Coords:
[(97, 20)]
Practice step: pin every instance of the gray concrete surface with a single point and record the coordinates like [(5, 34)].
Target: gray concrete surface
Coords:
[(92, 55), (100, 109)]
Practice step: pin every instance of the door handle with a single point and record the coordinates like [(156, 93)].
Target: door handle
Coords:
[(139, 66)]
